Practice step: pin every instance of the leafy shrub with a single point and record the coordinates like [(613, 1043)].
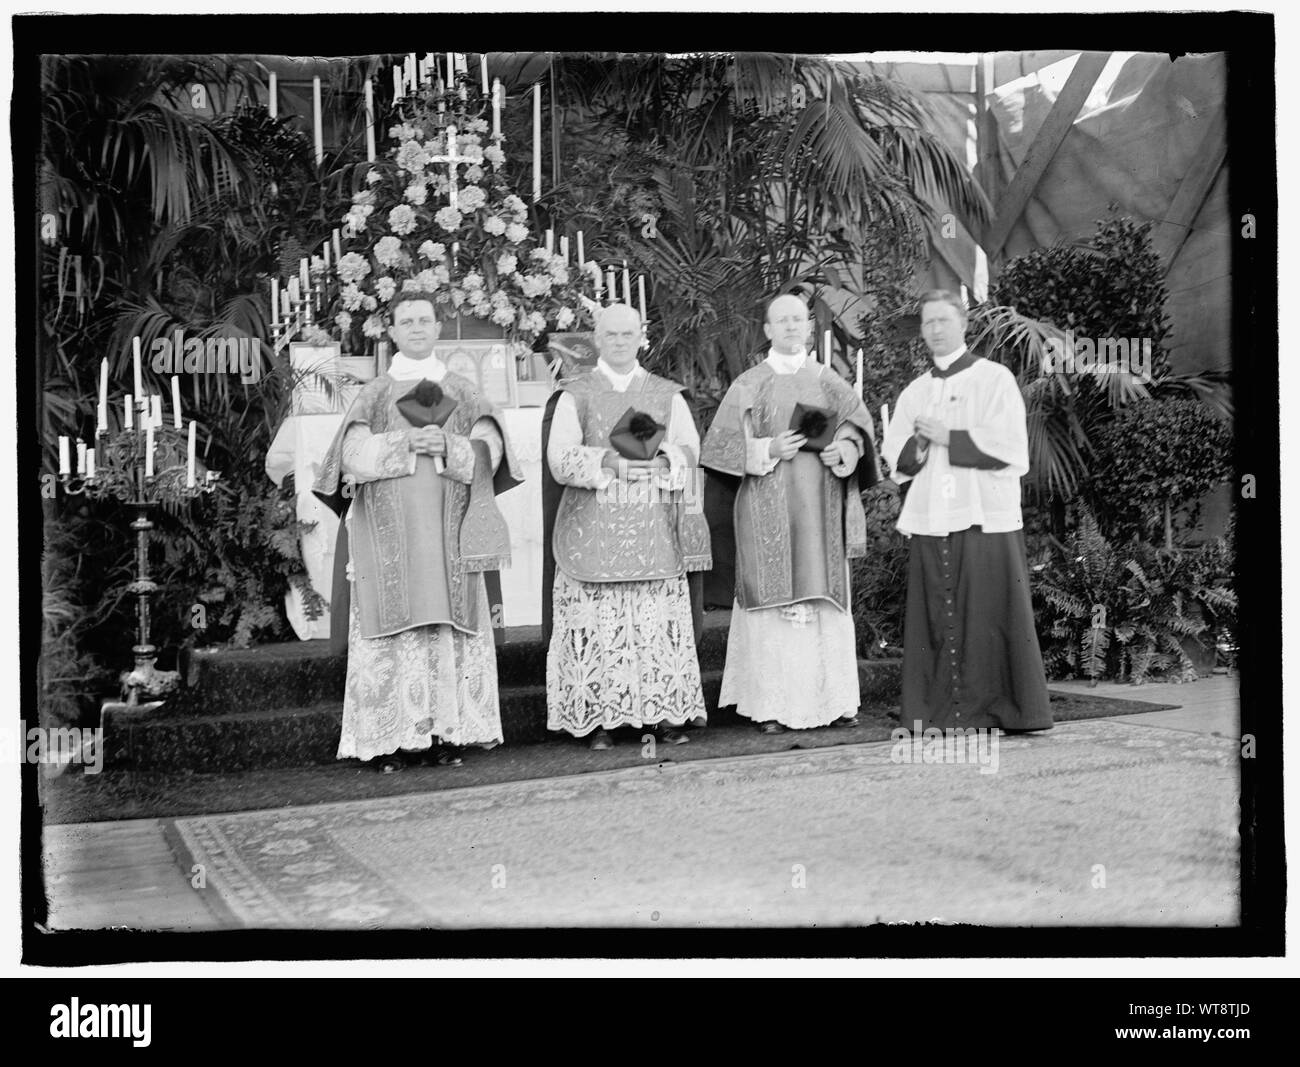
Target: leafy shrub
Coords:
[(1125, 612), (1111, 287), (1153, 457), (238, 556), (67, 675)]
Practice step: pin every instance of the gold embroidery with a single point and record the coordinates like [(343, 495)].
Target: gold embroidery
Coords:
[(628, 532), (762, 522)]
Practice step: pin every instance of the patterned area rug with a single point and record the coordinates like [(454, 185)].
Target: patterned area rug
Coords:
[(1096, 822)]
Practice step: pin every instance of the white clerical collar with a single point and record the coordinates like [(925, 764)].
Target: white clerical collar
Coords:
[(404, 368), (619, 381), (784, 364), (944, 362)]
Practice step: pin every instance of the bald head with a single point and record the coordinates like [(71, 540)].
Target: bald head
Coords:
[(617, 315), (618, 336), (787, 325)]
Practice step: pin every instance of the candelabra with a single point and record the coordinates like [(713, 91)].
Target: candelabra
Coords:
[(142, 468)]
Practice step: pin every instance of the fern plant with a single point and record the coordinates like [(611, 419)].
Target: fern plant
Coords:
[(1075, 588), (1170, 595), (1126, 612)]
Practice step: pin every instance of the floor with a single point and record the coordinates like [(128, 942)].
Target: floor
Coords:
[(124, 874)]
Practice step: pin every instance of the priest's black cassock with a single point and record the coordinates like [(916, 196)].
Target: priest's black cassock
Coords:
[(970, 653)]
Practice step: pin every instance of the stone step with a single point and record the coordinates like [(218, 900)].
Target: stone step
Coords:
[(303, 673), (287, 736)]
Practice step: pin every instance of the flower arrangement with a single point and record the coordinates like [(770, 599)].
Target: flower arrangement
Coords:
[(472, 247)]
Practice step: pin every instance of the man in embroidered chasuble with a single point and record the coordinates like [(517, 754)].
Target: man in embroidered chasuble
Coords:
[(423, 527), (792, 659), (622, 650), (958, 434)]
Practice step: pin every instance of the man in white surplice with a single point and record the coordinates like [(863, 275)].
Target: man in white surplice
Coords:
[(421, 659), (622, 650)]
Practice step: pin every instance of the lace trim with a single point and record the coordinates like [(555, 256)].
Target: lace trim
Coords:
[(621, 654)]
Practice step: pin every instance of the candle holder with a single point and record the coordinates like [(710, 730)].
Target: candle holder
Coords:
[(123, 477)]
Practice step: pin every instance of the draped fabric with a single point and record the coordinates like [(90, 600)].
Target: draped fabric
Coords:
[(797, 524), (970, 651), (391, 521)]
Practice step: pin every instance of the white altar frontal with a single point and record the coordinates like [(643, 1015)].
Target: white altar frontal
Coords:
[(299, 447)]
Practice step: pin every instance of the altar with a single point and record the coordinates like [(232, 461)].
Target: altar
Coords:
[(298, 448), (432, 213)]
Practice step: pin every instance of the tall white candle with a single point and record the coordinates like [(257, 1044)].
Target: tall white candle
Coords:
[(397, 83), (176, 402), (81, 456), (284, 302), (338, 247), (135, 353), (595, 273), (550, 242), (148, 452), (316, 119), (64, 466), (272, 95), (275, 301), (90, 462), (611, 285), (482, 66), (451, 72), (640, 292), (102, 424), (155, 410), (627, 285), (564, 249), (130, 413), (537, 142), (370, 121), (295, 292), (582, 256), (304, 277), (189, 477), (496, 107)]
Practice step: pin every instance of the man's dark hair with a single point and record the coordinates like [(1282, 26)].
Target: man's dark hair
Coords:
[(410, 296), (943, 296)]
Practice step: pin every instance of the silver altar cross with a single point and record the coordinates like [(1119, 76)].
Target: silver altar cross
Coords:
[(452, 159)]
